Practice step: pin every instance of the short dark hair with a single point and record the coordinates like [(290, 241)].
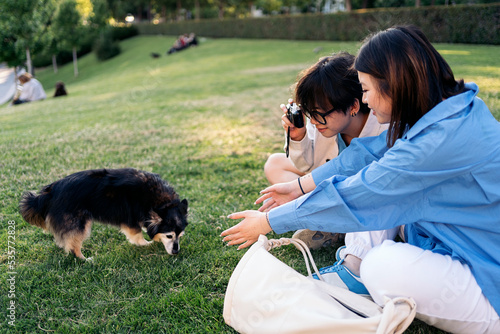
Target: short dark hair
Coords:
[(332, 80), (408, 70)]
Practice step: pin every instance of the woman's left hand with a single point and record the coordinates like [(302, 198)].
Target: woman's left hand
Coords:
[(246, 232), (278, 194)]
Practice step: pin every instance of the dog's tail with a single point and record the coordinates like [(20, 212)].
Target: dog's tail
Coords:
[(32, 208)]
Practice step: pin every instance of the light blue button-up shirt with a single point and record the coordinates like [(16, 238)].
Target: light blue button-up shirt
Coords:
[(441, 180)]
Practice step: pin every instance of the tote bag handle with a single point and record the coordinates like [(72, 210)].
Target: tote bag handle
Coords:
[(275, 243)]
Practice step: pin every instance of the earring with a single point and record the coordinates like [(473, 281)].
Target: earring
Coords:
[(353, 114)]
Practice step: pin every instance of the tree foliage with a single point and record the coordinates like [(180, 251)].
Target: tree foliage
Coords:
[(22, 25), (98, 18), (67, 24)]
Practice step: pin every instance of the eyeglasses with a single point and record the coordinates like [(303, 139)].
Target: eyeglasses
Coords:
[(318, 116)]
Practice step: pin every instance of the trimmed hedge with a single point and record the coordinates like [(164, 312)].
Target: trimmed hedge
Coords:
[(472, 24), (121, 33)]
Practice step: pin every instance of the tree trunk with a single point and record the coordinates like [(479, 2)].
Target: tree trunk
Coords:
[(75, 62), (54, 63), (221, 11), (417, 3), (28, 61), (197, 10), (179, 8), (348, 5), (164, 13), (139, 13), (318, 5)]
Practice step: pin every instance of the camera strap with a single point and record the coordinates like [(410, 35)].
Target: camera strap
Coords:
[(287, 149)]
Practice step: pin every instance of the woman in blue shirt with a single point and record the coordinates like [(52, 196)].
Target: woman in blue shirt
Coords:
[(436, 172)]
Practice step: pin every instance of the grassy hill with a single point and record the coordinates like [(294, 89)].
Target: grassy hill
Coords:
[(205, 119)]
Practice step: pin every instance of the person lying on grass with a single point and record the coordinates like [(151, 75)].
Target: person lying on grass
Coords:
[(435, 173)]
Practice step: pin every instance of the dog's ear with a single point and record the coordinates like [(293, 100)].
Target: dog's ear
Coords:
[(153, 229), (160, 209), (183, 206)]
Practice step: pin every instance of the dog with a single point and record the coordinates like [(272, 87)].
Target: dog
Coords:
[(130, 199)]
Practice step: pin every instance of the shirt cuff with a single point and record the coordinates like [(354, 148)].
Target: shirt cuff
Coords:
[(284, 218)]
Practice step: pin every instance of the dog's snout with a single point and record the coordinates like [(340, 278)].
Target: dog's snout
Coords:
[(175, 249), (171, 244)]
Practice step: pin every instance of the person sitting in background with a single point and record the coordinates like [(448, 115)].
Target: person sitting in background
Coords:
[(329, 94), (32, 90), (60, 89)]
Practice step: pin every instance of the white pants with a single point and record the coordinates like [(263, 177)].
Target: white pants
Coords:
[(360, 243), (445, 291)]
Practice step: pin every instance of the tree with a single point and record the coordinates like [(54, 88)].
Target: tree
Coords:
[(84, 7), (270, 6), (8, 50), (68, 29), (22, 24), (98, 18), (222, 5), (348, 5), (119, 8), (51, 47)]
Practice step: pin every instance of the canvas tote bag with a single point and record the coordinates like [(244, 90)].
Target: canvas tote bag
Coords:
[(264, 295)]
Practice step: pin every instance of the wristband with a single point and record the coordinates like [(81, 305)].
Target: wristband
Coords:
[(303, 193), (267, 219)]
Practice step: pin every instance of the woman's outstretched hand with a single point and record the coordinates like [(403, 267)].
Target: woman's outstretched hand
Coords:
[(278, 194), (246, 232)]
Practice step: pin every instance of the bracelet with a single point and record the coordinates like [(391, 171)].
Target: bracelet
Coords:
[(267, 218), (303, 193)]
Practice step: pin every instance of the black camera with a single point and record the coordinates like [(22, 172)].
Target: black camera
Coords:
[(294, 115)]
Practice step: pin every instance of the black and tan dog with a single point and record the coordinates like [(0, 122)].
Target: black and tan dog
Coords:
[(130, 199)]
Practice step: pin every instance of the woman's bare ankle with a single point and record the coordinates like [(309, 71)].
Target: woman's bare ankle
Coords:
[(353, 263)]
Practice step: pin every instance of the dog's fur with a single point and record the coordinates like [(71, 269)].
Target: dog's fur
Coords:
[(130, 199)]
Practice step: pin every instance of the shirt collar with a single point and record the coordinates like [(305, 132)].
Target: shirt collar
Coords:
[(445, 109)]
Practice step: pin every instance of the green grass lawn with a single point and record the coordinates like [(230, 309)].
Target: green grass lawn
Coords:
[(204, 119)]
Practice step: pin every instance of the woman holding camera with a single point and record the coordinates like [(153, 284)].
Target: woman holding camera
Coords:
[(436, 174), (329, 95)]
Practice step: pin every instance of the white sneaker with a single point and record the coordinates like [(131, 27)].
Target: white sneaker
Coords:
[(338, 275)]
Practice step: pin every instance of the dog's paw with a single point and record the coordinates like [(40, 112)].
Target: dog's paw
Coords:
[(89, 259)]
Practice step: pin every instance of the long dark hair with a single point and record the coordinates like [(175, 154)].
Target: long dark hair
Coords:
[(408, 70), (332, 80)]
